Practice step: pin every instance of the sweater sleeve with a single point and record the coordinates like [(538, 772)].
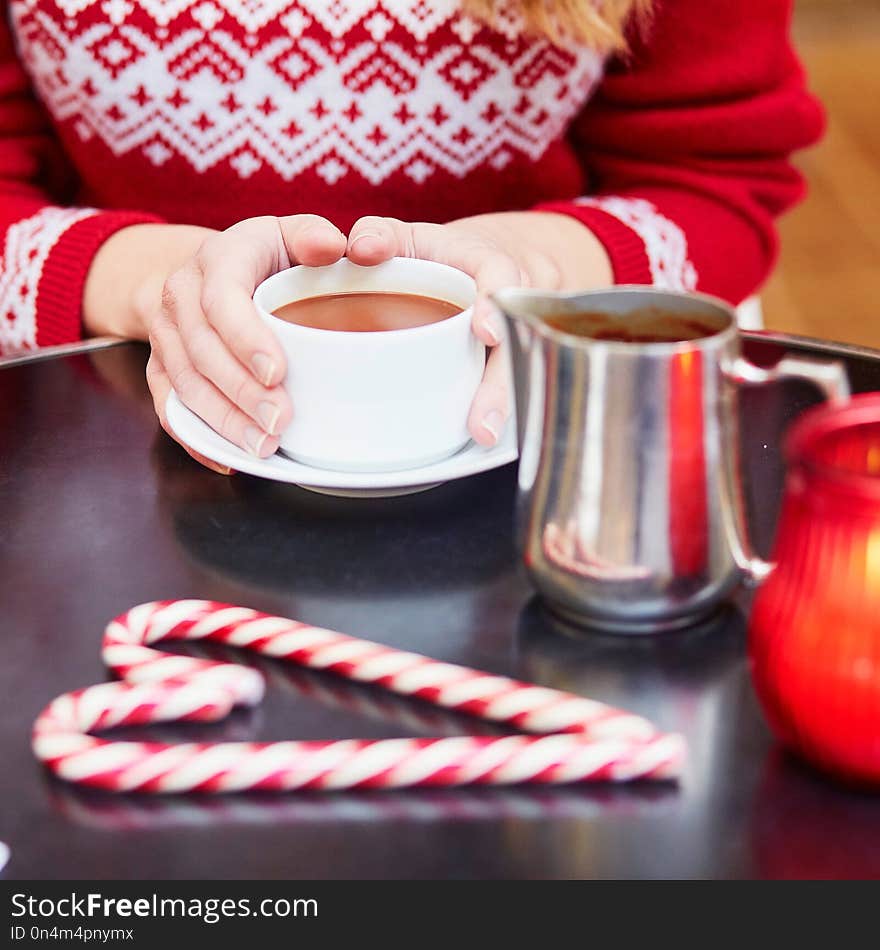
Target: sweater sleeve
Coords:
[(46, 246), (687, 145)]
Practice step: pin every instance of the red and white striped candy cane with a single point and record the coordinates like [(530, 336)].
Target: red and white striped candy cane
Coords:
[(579, 740)]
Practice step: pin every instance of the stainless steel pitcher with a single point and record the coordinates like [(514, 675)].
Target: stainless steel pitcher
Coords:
[(630, 512)]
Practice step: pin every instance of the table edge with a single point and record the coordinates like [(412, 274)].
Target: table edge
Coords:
[(831, 347), (63, 349)]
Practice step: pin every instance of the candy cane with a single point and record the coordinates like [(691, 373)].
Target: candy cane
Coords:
[(579, 739), (338, 693)]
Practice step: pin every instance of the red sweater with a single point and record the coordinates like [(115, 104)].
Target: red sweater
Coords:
[(208, 111)]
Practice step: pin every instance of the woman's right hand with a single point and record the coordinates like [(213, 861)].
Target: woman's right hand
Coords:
[(191, 298)]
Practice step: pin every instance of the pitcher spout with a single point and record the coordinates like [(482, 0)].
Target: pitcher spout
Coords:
[(526, 308)]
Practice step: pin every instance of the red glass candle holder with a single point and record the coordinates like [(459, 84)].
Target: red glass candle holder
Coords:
[(814, 634)]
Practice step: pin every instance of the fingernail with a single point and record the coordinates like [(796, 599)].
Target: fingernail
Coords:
[(268, 415), (366, 234), (493, 328), (489, 319), (264, 367), (254, 439), (493, 423)]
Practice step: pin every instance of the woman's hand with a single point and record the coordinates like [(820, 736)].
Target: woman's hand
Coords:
[(188, 291), (526, 249), (190, 296)]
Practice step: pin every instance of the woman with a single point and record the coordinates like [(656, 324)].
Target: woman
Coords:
[(557, 143)]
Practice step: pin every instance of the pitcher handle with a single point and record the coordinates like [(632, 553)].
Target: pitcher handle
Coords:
[(829, 377)]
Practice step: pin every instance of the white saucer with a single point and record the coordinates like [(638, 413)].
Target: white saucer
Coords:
[(471, 460)]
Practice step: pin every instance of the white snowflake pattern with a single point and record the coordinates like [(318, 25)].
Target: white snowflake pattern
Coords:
[(419, 171), (245, 164), (26, 247), (158, 153), (378, 26), (207, 16), (115, 52), (214, 95), (331, 170), (117, 10), (665, 242)]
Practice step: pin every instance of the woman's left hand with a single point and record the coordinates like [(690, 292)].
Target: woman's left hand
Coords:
[(512, 249)]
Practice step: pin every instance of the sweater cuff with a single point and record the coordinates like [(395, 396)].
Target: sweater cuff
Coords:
[(625, 248), (64, 272)]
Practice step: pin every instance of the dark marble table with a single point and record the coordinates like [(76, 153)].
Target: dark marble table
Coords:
[(100, 511)]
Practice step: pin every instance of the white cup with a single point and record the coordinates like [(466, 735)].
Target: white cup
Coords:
[(376, 401)]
